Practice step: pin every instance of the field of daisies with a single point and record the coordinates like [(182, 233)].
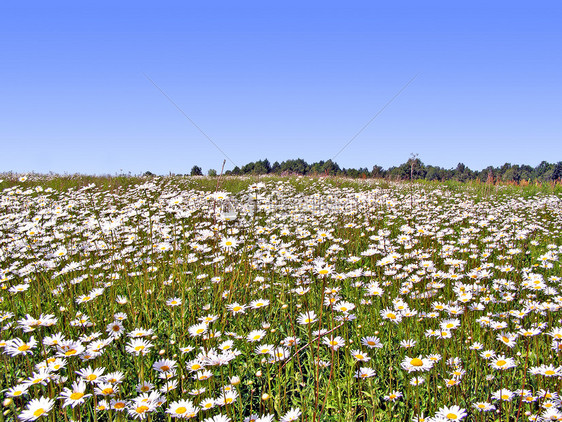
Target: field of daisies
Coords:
[(279, 299)]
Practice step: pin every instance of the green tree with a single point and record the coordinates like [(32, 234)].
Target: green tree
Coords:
[(196, 171)]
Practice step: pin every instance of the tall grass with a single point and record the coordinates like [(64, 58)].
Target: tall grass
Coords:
[(319, 299)]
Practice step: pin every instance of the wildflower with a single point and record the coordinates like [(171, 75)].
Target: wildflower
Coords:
[(504, 394), (360, 356), (291, 415), (395, 395), (119, 405), (18, 390), (507, 338), (416, 364), (41, 377), (227, 397), (546, 370), (174, 301), (488, 354), (415, 381), (169, 386), (371, 342), (364, 373), (260, 303), (207, 404), (453, 413), (144, 387), (164, 365), (307, 318), (236, 308), (141, 409), (552, 414), (106, 389), (483, 406), (37, 408), (391, 315), (75, 395), (114, 377), (102, 405), (183, 409), (138, 347), (264, 349), (19, 347), (503, 363), (407, 344), (256, 335), (89, 374), (334, 343), (344, 306)]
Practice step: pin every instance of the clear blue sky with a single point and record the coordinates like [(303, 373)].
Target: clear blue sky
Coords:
[(277, 80)]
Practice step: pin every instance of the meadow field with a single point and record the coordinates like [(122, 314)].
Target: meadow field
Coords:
[(279, 299)]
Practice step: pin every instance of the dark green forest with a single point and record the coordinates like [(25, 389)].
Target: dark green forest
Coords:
[(414, 168)]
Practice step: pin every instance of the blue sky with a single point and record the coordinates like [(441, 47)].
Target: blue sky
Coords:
[(277, 80)]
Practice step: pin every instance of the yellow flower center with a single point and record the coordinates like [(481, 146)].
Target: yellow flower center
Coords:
[(416, 362), (70, 352), (139, 348), (38, 412), (549, 372), (76, 396), (119, 405), (91, 377), (165, 368), (181, 410), (451, 416), (501, 362), (142, 409), (23, 348), (108, 390)]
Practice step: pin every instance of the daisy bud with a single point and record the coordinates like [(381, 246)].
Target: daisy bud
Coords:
[(285, 306), (162, 352), (7, 402), (258, 374), (264, 396), (154, 337), (235, 380)]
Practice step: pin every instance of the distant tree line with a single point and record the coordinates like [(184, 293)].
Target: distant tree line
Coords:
[(413, 168)]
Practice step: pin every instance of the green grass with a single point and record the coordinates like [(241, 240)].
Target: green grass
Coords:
[(113, 247)]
